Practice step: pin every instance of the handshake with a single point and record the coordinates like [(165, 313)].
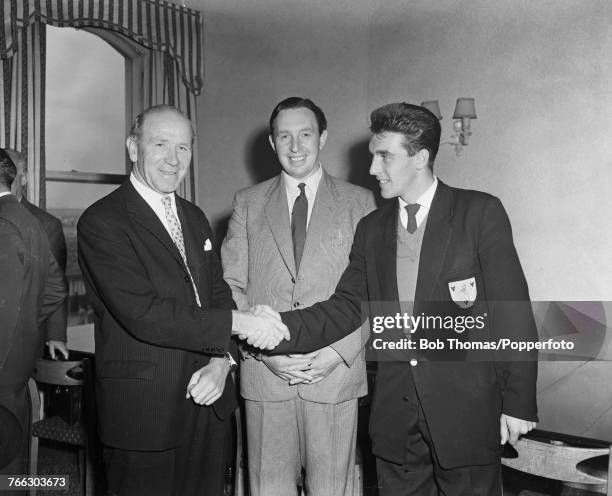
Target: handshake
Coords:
[(260, 326)]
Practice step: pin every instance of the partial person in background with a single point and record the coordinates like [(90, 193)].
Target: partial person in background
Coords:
[(55, 326), (287, 244), (32, 287), (163, 322)]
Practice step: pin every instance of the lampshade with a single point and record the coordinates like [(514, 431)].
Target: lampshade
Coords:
[(465, 108), (433, 107)]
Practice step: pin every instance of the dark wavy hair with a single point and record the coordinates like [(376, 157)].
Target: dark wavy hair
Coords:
[(8, 170), (295, 102), (421, 128)]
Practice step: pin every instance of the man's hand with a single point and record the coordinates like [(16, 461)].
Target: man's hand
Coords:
[(320, 364), (511, 428), (57, 346), (288, 368), (261, 327), (207, 384)]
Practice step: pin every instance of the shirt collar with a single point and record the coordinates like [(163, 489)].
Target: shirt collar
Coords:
[(425, 199), (153, 198), (312, 181)]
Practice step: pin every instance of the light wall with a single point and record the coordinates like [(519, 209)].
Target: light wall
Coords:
[(541, 75)]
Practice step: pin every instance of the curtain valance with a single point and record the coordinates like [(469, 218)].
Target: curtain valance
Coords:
[(155, 24)]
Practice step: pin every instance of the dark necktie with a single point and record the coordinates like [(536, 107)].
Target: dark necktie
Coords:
[(299, 215), (411, 210)]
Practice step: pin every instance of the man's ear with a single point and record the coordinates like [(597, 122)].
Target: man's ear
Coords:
[(422, 159), (271, 140), (132, 148), (322, 139)]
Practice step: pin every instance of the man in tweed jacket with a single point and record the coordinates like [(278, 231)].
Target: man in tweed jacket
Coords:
[(301, 410)]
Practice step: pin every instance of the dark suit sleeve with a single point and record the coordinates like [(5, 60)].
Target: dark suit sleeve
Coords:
[(55, 329), (57, 242), (12, 269), (221, 292), (510, 311), (55, 291), (112, 268), (326, 322), (222, 299)]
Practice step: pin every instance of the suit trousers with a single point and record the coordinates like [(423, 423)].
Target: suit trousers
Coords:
[(285, 437), (422, 475), (195, 468)]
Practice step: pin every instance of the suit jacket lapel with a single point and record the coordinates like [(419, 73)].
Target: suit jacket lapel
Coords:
[(386, 252), (142, 214), (435, 242), (321, 218), (277, 214)]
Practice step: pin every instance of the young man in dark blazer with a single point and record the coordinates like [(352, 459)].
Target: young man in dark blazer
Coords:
[(163, 322), (437, 425)]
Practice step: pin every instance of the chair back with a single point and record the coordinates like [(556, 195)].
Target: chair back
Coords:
[(59, 373)]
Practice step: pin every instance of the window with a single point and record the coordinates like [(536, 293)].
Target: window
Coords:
[(85, 128)]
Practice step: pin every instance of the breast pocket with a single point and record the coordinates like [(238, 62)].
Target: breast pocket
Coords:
[(463, 287), (341, 238)]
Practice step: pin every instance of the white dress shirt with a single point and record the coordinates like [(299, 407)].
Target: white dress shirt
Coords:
[(154, 200), (424, 201), (293, 191)]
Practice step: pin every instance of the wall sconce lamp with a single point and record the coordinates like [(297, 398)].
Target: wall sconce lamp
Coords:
[(464, 111)]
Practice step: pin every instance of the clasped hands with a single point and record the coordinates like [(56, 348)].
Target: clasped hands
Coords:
[(260, 326), (308, 368)]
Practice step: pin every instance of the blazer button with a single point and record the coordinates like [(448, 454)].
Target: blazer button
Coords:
[(413, 362), (196, 363), (296, 304), (186, 279), (292, 280)]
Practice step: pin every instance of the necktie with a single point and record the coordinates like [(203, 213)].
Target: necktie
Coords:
[(299, 216), (411, 210), (177, 236)]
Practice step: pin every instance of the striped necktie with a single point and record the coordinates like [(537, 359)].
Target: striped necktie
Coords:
[(176, 233)]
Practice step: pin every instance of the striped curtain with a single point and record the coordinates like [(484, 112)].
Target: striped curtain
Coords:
[(22, 105), (172, 70)]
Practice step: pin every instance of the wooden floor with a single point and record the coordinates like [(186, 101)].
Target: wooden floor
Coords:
[(55, 459)]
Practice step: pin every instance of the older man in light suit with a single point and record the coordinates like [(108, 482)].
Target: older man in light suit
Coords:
[(287, 245)]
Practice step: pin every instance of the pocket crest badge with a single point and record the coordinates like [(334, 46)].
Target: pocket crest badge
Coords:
[(463, 292)]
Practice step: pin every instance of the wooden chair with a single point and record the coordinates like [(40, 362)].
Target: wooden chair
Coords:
[(568, 459), (82, 434)]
